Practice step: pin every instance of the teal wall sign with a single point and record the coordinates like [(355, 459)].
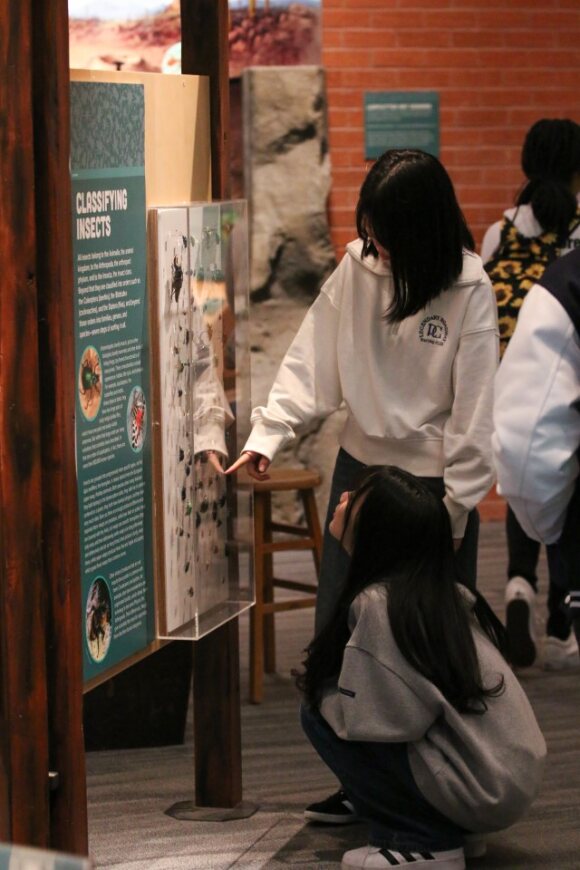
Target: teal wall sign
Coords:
[(401, 119), (112, 371)]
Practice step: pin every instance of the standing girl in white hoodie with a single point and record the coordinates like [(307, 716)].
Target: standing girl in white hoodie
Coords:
[(404, 333)]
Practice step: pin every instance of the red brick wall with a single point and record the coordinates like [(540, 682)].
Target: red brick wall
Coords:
[(498, 66)]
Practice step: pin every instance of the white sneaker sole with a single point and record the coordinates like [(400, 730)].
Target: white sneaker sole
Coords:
[(560, 655), (435, 864), (362, 858)]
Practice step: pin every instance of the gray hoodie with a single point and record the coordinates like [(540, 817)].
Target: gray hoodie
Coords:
[(481, 771)]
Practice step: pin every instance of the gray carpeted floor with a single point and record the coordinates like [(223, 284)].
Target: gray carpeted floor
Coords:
[(129, 791)]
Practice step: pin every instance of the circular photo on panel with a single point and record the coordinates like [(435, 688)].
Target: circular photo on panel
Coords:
[(90, 384), (98, 626), (136, 419)]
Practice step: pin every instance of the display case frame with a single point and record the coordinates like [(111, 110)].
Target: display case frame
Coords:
[(199, 307)]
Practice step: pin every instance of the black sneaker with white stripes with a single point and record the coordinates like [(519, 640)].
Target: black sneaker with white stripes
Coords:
[(375, 858), (335, 810)]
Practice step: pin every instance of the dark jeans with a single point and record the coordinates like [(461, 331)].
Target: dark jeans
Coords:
[(335, 561), (523, 555), (378, 780)]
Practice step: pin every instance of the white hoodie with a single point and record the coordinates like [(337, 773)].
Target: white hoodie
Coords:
[(418, 394)]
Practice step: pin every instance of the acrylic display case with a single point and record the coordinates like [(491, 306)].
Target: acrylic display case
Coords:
[(201, 375)]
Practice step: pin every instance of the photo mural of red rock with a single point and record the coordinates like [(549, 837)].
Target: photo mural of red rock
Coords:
[(145, 35), (275, 34), (122, 34)]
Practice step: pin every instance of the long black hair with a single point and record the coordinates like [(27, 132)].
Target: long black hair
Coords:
[(408, 204), (550, 159), (401, 536)]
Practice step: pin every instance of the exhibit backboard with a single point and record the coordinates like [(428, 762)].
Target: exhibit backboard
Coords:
[(204, 530)]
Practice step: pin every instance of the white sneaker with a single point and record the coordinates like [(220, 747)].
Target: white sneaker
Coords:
[(559, 655), (520, 600), (375, 858)]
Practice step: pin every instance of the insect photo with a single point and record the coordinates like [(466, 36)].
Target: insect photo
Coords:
[(136, 418), (90, 383), (98, 619)]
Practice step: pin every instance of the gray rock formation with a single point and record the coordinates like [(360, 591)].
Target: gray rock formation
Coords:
[(287, 180)]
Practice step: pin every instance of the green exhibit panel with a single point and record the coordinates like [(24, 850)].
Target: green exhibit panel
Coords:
[(162, 379), (401, 119), (25, 858), (113, 444)]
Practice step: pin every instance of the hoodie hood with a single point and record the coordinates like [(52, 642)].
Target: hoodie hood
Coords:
[(471, 273), (373, 264)]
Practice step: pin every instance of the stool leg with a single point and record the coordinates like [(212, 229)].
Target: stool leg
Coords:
[(269, 628), (313, 523), (257, 612)]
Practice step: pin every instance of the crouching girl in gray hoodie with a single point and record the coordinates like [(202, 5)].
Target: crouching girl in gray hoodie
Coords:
[(407, 696)]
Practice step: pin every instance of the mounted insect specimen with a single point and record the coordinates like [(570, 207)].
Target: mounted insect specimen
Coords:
[(176, 278)]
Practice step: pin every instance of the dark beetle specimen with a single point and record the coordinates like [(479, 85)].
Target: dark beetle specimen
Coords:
[(176, 279)]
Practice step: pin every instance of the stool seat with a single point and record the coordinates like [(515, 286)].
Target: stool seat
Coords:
[(307, 536), (284, 479)]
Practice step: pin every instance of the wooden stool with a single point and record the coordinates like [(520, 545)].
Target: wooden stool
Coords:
[(308, 537)]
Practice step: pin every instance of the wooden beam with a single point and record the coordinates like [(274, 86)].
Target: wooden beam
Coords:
[(24, 797), (205, 52), (216, 669), (50, 57), (216, 712)]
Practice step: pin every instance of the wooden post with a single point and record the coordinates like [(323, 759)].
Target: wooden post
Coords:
[(216, 669), (24, 790), (51, 87), (205, 52)]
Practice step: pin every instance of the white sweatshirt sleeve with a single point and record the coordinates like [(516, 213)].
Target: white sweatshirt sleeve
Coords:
[(536, 416), (468, 467), (212, 413), (307, 385)]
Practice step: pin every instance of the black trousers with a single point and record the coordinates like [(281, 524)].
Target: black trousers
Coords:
[(378, 779), (523, 555)]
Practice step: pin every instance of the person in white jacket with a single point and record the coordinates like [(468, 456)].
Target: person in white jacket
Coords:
[(544, 226), (536, 437), (407, 696)]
